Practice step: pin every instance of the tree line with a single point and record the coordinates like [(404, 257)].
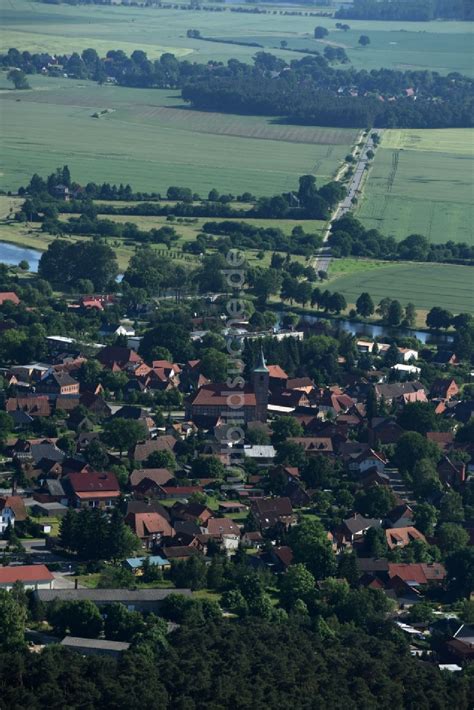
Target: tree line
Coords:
[(415, 10), (349, 237), (308, 90)]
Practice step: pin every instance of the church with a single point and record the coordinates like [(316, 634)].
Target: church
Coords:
[(217, 400)]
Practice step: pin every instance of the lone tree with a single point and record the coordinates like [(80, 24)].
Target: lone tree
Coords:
[(320, 32), (364, 40), (364, 305), (18, 78)]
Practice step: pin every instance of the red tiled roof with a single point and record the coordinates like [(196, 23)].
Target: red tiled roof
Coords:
[(277, 372), (162, 443), (217, 395), (159, 476), (421, 573), (84, 495), (399, 537), (16, 504), (93, 482), (9, 296), (148, 524), (222, 526), (25, 573)]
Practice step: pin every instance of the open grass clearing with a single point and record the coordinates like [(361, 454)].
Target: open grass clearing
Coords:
[(425, 285), (190, 229), (52, 125), (424, 186), (455, 141)]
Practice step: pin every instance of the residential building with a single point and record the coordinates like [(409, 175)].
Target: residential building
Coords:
[(92, 489), (31, 576)]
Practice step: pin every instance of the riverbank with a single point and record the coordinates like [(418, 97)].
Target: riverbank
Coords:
[(372, 328)]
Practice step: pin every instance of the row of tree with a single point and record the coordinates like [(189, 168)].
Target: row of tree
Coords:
[(415, 10), (349, 237)]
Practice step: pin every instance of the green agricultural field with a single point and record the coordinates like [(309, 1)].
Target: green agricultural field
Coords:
[(425, 285), (151, 139), (422, 182), (438, 46)]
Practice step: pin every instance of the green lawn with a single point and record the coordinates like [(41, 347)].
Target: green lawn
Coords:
[(152, 140), (421, 182), (439, 46), (426, 285)]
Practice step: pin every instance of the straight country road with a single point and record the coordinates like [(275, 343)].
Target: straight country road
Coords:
[(323, 256)]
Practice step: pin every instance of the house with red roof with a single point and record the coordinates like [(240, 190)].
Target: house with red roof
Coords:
[(277, 377), (149, 527), (249, 403), (92, 489), (400, 537), (12, 510), (9, 296), (31, 576)]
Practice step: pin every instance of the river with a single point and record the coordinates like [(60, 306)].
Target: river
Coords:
[(11, 254), (369, 330)]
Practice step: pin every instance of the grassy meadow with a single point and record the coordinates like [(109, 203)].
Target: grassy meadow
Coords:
[(425, 285), (421, 182), (151, 139), (439, 46)]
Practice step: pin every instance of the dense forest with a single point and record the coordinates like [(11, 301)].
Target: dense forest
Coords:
[(253, 664), (310, 90), (416, 10)]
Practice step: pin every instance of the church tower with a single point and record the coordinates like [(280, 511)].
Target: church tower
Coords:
[(260, 382)]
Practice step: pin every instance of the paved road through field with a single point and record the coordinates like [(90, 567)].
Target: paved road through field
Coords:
[(323, 256)]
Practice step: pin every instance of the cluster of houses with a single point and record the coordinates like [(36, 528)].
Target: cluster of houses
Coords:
[(168, 508)]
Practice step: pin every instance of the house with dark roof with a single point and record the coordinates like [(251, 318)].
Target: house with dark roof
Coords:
[(444, 388), (445, 357), (34, 452), (191, 512), (92, 489), (58, 383), (384, 430), (117, 358), (353, 529), (158, 476), (401, 392), (95, 403), (144, 600), (143, 450), (272, 513), (314, 445), (278, 378), (461, 645), (94, 647), (33, 405)]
